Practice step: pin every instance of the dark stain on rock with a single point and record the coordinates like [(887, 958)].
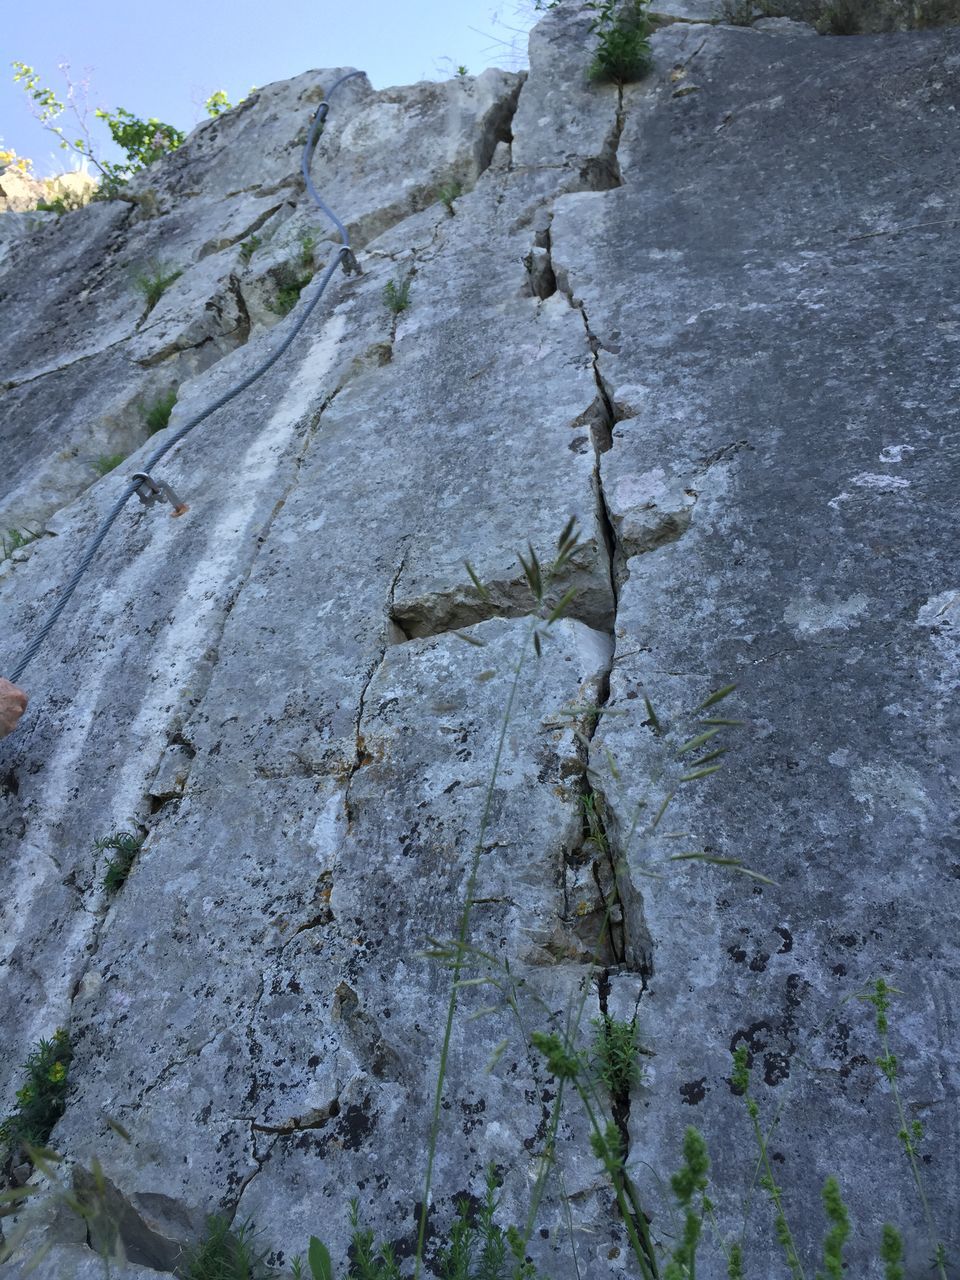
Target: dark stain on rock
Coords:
[(472, 1112), (694, 1091), (776, 1068), (356, 1125)]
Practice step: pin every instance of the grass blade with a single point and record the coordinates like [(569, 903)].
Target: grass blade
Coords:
[(701, 773), (734, 864), (560, 607), (698, 741), (482, 591), (716, 696)]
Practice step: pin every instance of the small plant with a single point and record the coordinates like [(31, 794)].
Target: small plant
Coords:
[(689, 1180), (157, 415), (225, 1254), (217, 103), (308, 244), (462, 71), (154, 281), (448, 193), (622, 28), (107, 462), (616, 1055), (479, 1249), (40, 1103), (909, 1133), (290, 284), (397, 295), (740, 1079), (293, 277), (249, 247), (836, 1237), (125, 846), (14, 539)]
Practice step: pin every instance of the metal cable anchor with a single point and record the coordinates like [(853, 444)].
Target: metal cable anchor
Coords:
[(349, 262), (149, 490)]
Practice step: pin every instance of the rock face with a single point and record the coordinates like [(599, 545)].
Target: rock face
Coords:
[(710, 316)]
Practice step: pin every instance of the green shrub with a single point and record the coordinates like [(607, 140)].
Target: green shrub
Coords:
[(616, 1055), (225, 1254), (397, 295), (40, 1102), (292, 278), (126, 846), (622, 28), (107, 462), (14, 539), (448, 193), (249, 247), (153, 282), (157, 415)]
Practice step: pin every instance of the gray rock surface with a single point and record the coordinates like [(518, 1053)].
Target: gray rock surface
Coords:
[(709, 316)]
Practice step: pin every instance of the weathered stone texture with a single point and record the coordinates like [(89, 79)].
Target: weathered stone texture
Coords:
[(709, 316)]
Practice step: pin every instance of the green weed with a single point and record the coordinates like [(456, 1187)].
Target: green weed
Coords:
[(479, 1249), (157, 415), (249, 247), (154, 281), (14, 539), (125, 846), (107, 462), (291, 278), (622, 29), (616, 1055), (449, 192), (225, 1254), (217, 103), (909, 1133), (397, 295), (689, 1186), (40, 1101)]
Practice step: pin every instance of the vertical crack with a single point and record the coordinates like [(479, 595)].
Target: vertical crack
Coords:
[(602, 172), (601, 435), (260, 1161), (361, 755)]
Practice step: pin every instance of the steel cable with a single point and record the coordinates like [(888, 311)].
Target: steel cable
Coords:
[(343, 256)]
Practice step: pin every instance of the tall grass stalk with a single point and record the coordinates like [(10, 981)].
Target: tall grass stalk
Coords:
[(909, 1132), (567, 546)]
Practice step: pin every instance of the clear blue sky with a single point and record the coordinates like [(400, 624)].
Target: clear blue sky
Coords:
[(165, 59)]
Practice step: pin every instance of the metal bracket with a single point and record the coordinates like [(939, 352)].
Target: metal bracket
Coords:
[(349, 262), (149, 490)]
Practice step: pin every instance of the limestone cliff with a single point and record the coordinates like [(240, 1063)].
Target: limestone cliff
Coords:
[(713, 316)]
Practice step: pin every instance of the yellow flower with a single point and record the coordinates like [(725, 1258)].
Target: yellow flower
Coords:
[(57, 1072)]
